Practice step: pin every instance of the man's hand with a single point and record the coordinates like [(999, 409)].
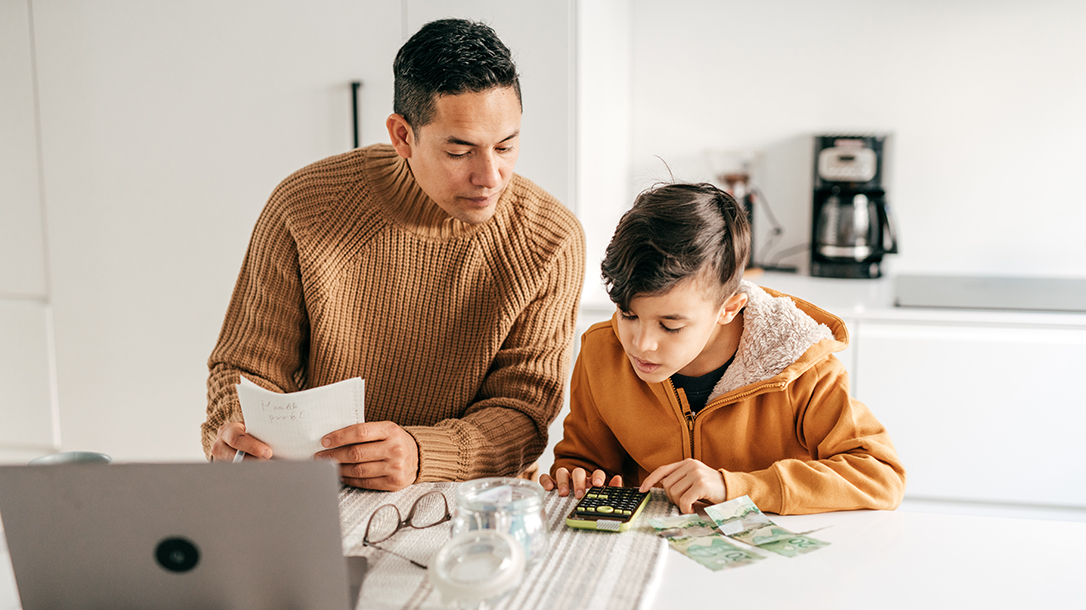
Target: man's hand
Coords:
[(231, 437), (563, 478), (686, 482), (373, 455)]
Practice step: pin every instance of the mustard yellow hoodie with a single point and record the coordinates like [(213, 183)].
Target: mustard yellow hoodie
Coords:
[(780, 425)]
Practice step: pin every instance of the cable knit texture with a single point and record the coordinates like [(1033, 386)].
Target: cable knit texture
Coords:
[(462, 332)]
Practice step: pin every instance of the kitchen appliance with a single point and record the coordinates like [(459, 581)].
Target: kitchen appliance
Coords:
[(851, 228)]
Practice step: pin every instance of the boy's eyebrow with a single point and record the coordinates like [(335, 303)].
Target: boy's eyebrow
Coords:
[(674, 316), (459, 142)]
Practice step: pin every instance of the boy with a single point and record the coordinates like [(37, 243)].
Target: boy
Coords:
[(712, 387)]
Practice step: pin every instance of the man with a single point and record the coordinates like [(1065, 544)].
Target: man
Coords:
[(428, 268)]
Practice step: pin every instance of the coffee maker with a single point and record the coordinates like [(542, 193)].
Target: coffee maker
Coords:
[(851, 228)]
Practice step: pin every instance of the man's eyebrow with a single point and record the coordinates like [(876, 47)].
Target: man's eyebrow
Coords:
[(459, 142)]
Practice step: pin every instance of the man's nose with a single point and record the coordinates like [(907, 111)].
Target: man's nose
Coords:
[(486, 172)]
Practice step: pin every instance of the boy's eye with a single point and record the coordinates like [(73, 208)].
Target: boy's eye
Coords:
[(627, 316), (670, 330)]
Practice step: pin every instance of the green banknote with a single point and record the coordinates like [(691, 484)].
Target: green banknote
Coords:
[(741, 520), (699, 540)]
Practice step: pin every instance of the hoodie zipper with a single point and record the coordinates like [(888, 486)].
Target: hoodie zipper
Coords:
[(690, 416)]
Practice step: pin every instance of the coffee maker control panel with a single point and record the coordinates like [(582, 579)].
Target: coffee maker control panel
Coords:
[(847, 164)]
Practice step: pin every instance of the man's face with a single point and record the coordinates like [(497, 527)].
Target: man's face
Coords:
[(674, 332), (464, 158)]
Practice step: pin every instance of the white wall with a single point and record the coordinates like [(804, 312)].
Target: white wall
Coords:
[(163, 129), (986, 101)]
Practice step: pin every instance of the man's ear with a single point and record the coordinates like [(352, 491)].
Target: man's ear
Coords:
[(401, 134), (731, 308)]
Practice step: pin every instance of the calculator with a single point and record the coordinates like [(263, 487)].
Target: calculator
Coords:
[(608, 509)]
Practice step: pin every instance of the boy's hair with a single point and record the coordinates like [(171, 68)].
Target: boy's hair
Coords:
[(448, 57), (674, 232)]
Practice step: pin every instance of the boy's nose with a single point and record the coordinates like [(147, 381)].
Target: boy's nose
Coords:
[(645, 342)]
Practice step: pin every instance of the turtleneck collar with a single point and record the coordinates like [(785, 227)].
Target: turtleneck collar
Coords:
[(404, 201)]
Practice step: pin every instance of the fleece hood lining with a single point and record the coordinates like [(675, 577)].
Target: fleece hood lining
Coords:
[(776, 334)]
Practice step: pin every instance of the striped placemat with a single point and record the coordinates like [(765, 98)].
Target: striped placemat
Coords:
[(582, 569)]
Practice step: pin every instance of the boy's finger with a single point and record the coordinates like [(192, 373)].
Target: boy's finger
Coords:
[(579, 476), (562, 476), (658, 475), (598, 478), (546, 482), (616, 481)]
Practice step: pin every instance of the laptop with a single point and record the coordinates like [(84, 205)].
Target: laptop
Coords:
[(128, 536)]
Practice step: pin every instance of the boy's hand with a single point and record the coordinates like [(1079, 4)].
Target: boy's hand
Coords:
[(562, 480), (686, 482)]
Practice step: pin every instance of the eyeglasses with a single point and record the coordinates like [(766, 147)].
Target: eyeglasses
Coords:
[(428, 510)]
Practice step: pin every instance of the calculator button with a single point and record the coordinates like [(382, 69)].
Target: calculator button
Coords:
[(626, 512), (606, 509)]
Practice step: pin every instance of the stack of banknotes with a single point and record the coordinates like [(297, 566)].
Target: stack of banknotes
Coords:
[(711, 543)]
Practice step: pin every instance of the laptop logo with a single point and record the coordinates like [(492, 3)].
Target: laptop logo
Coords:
[(177, 554)]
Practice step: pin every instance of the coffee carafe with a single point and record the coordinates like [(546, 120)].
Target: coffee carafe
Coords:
[(852, 229)]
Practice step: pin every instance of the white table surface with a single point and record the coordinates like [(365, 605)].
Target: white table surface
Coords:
[(877, 559), (889, 560)]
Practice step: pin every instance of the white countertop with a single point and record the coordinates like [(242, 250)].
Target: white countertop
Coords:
[(880, 559), (891, 560), (873, 300)]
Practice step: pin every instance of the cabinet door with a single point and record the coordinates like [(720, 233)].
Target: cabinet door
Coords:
[(981, 413), (22, 254), (165, 126), (26, 384)]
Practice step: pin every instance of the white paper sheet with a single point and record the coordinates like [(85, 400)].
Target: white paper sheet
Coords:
[(293, 424)]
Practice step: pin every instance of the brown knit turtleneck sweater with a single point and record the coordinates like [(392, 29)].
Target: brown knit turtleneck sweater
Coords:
[(462, 332)]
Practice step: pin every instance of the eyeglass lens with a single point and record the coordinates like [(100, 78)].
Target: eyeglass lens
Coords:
[(428, 510)]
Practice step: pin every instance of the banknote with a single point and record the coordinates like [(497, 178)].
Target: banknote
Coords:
[(699, 540), (742, 520)]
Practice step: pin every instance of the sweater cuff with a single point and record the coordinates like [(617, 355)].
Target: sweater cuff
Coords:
[(763, 488), (439, 454)]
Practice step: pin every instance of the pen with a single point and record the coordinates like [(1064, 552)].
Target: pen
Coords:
[(239, 456)]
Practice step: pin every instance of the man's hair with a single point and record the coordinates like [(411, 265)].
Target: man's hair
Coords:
[(449, 57), (676, 232)]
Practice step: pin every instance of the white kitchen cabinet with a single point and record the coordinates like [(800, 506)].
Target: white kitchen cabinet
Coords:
[(980, 412), (165, 126), (27, 408), (22, 253)]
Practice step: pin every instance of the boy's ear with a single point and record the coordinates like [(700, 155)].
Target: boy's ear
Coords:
[(401, 134), (731, 308)]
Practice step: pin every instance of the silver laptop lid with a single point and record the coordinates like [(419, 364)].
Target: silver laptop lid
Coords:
[(250, 535)]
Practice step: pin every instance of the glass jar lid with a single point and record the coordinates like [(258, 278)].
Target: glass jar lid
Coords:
[(477, 566), (505, 494)]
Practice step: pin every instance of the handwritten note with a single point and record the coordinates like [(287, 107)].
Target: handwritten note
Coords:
[(293, 424)]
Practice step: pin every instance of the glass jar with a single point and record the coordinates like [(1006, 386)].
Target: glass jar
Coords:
[(514, 506)]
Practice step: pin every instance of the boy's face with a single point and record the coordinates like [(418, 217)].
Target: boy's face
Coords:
[(464, 158), (679, 331)]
